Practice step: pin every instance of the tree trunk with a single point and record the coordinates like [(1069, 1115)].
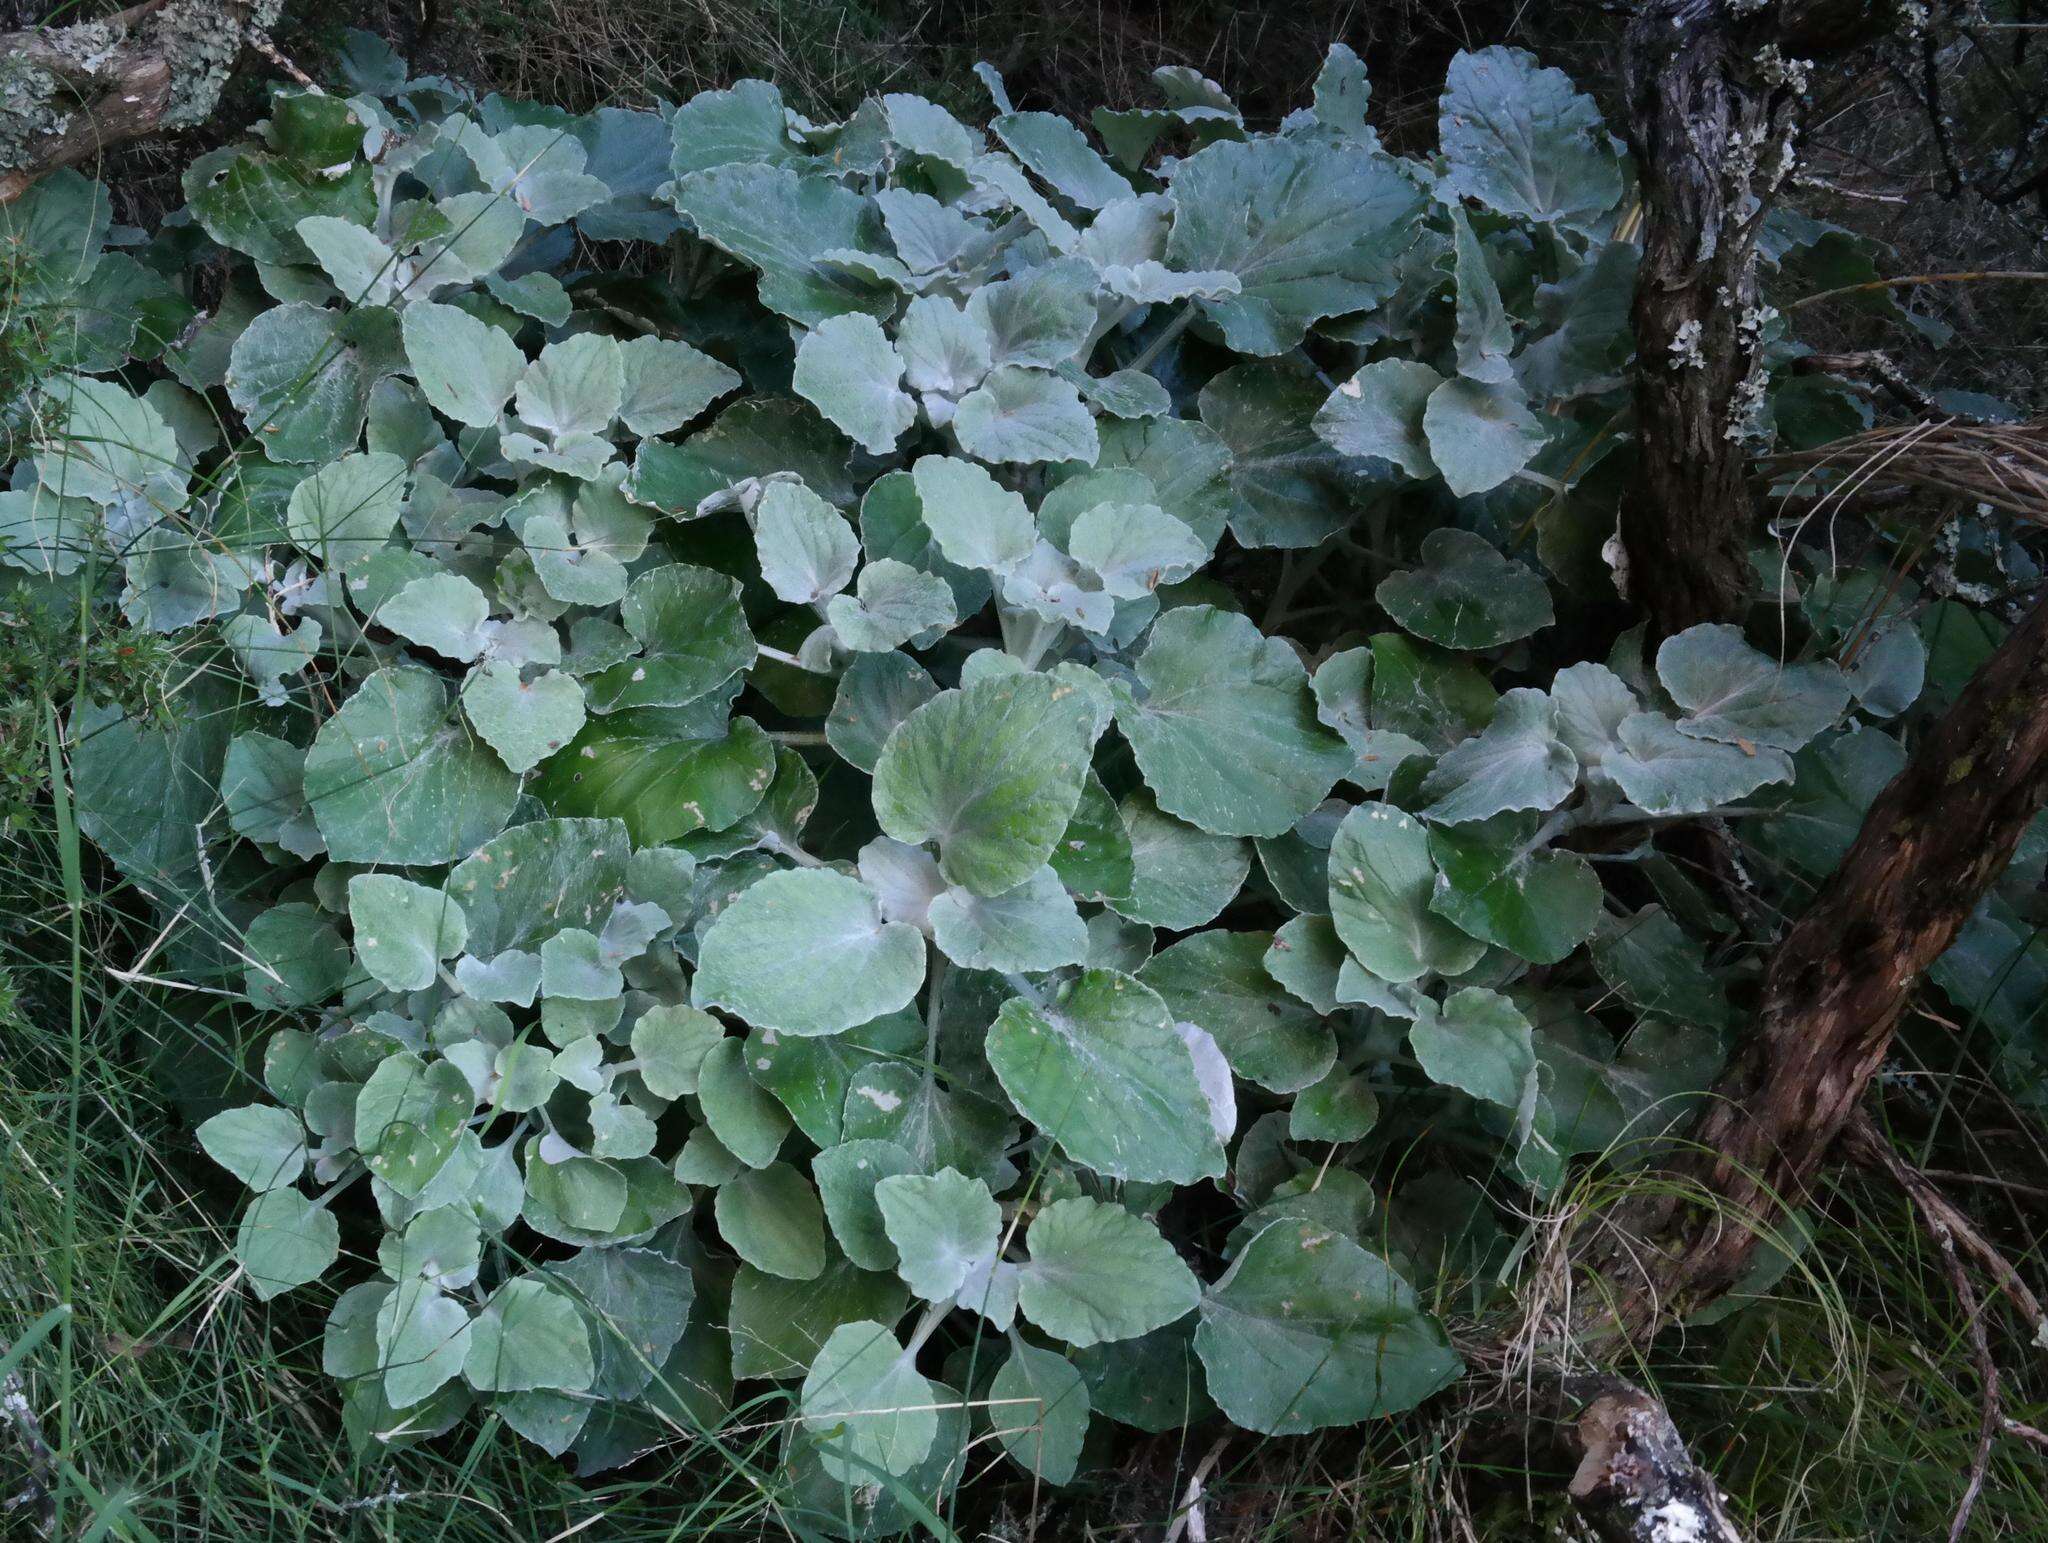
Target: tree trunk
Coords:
[(1834, 991), (1713, 92), (69, 93)]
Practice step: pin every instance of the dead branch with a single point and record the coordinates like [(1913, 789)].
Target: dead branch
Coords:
[(1636, 1481), (72, 93)]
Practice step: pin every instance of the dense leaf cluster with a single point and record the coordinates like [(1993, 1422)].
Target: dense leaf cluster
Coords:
[(757, 819)]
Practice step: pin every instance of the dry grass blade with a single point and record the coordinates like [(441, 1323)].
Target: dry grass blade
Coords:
[(2004, 465)]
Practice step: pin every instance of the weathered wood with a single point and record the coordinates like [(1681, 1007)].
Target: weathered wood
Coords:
[(1636, 1482), (68, 94)]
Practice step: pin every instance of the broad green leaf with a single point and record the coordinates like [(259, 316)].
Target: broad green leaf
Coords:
[(295, 957), (811, 1077), (1479, 435), (1656, 968), (1307, 1330), (1742, 696), (1341, 94), (1020, 414), (778, 1326), (1185, 461), (694, 637), (1031, 928), (1093, 855), (1038, 1408), (114, 449), (664, 771), (846, 1176), (1431, 699), (992, 773), (636, 1304), (1485, 335), (846, 368), (347, 509), (1097, 1273), (573, 967), (1663, 770), (1219, 982), (44, 534), (1522, 142), (1465, 594), (1342, 686), (1060, 154), (576, 386), (1226, 733), (1381, 881), (408, 1117), (1041, 318), (175, 582), (807, 952), (782, 223), (747, 1121), (423, 1335), (771, 1218), (1595, 1096), (252, 202), (263, 1146), (524, 886), (863, 1397), (466, 368), (1479, 1043), (443, 612), (525, 721), (942, 1227), (1101, 1070), (403, 930), (301, 376), (481, 231), (263, 785), (1311, 229), (1592, 701), (1182, 876), (806, 548), (945, 349), (892, 603), (1305, 957), (392, 780), (745, 123), (670, 1041), (754, 437), (667, 384), (1134, 548), (285, 1241), (1838, 778), (1517, 762), (1341, 1107), (1493, 883), (1292, 489), (529, 1335), (877, 692)]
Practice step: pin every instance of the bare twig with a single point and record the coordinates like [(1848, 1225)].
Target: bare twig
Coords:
[(1867, 1145), (1188, 1517)]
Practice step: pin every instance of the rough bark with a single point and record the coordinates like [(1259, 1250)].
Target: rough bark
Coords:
[(1713, 91), (67, 94), (1835, 988)]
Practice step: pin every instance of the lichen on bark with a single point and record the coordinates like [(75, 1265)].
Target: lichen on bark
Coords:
[(67, 92)]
